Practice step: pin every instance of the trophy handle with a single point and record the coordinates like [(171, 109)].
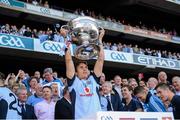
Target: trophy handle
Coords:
[(66, 27), (100, 29)]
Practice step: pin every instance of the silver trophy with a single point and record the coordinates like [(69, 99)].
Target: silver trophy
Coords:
[(84, 32)]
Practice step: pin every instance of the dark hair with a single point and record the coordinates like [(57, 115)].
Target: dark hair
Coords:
[(65, 90), (128, 87), (47, 87), (165, 86), (100, 88), (78, 62), (142, 81), (138, 90), (31, 79), (2, 76), (162, 86)]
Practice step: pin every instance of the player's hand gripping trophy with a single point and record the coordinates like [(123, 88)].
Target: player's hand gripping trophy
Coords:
[(87, 35)]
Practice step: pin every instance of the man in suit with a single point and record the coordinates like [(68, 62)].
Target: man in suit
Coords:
[(27, 111), (117, 85), (114, 102), (63, 108)]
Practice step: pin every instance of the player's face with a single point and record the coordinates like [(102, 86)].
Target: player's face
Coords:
[(162, 94), (82, 71), (141, 96), (125, 92)]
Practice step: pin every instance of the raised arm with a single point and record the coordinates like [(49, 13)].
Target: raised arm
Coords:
[(100, 60), (7, 79), (70, 70)]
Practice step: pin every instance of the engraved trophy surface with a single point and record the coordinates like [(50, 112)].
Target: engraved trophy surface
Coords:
[(84, 32)]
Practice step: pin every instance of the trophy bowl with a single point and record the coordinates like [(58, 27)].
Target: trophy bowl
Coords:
[(84, 32)]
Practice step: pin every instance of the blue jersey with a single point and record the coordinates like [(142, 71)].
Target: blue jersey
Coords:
[(153, 104), (9, 108), (54, 80), (33, 99), (85, 97)]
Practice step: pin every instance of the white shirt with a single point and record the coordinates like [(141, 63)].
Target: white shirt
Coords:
[(44, 110), (118, 89)]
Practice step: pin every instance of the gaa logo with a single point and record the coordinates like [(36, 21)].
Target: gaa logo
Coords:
[(118, 56), (50, 46), (106, 118), (45, 10), (6, 2), (11, 41)]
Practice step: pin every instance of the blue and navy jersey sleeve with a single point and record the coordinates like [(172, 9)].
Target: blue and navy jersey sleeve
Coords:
[(70, 81), (97, 79), (156, 104)]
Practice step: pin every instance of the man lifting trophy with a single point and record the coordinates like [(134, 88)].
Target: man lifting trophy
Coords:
[(83, 85), (84, 32)]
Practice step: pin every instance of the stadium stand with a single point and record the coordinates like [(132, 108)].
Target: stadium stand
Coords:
[(141, 60)]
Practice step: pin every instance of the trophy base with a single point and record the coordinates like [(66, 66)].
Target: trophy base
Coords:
[(87, 52)]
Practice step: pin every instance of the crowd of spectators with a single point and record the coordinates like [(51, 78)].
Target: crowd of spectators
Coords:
[(55, 35), (38, 2), (143, 51), (46, 96), (44, 92), (139, 24)]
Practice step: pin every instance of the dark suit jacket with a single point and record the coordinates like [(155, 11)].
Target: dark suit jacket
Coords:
[(29, 113), (3, 109), (63, 110), (116, 103)]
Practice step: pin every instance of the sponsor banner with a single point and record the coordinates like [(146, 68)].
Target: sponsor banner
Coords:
[(134, 115), (12, 41), (156, 62), (176, 39), (136, 30), (116, 56), (160, 35), (44, 10), (50, 47), (146, 33), (13, 3)]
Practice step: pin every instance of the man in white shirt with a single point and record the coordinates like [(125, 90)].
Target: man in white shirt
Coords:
[(117, 85), (44, 110)]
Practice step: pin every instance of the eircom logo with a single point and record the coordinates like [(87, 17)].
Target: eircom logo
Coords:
[(11, 41), (106, 118)]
